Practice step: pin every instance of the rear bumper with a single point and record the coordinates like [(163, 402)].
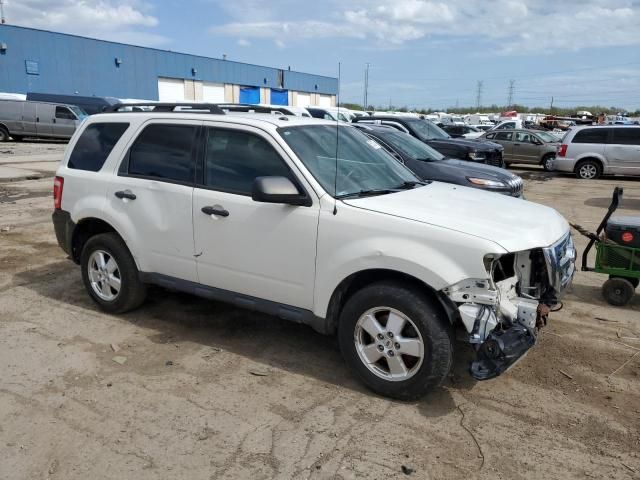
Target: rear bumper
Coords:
[(64, 227), (563, 164)]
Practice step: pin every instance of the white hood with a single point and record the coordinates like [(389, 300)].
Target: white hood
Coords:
[(514, 224)]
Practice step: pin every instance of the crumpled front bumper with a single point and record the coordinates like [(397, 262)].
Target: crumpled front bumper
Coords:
[(501, 350)]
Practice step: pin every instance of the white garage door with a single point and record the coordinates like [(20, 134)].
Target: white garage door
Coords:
[(304, 100), (212, 92), (324, 101), (170, 90)]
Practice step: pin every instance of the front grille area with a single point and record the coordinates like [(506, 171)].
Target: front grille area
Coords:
[(494, 158), (517, 186)]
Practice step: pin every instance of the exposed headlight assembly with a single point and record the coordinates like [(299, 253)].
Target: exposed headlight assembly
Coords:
[(485, 182), (477, 156)]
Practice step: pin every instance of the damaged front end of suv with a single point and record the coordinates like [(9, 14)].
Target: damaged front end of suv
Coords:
[(503, 312)]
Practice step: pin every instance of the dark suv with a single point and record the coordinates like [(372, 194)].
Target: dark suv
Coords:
[(429, 133)]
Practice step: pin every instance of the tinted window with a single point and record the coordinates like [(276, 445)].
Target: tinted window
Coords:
[(94, 145), (411, 146), (64, 112), (490, 135), (523, 137), (235, 159), (164, 152), (503, 136), (626, 136), (591, 135)]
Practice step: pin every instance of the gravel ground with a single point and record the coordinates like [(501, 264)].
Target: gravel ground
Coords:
[(185, 388)]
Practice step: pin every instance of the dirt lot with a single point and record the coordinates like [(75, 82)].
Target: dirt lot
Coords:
[(203, 390)]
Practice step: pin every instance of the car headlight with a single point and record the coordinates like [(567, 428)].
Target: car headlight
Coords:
[(477, 156), (484, 182)]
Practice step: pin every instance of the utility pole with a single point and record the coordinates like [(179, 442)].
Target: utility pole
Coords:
[(2, 19), (366, 87), (551, 107), (511, 88), (479, 94)]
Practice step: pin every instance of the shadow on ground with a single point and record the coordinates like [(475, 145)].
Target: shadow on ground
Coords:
[(177, 317)]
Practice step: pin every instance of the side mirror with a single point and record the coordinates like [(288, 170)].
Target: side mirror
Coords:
[(278, 190)]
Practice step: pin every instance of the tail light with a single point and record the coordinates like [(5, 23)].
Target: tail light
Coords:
[(58, 185), (562, 150)]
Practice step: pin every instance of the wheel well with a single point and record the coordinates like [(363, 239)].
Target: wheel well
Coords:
[(85, 229), (547, 155), (582, 160), (4, 127), (359, 280)]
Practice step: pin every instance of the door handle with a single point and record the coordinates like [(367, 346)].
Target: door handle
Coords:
[(37, 119), (54, 120), (220, 212), (516, 144), (125, 194)]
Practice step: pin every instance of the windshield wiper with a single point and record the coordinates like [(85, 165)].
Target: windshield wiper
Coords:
[(367, 193), (410, 184)]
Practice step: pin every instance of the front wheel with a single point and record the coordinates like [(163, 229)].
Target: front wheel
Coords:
[(4, 135), (396, 340), (547, 163), (617, 291), (110, 274)]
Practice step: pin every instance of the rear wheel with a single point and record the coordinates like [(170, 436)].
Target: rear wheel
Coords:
[(588, 170), (110, 274), (617, 291), (395, 340), (547, 162), (4, 135)]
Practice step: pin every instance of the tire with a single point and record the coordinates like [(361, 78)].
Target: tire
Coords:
[(547, 162), (588, 170), (108, 248), (426, 332), (617, 291), (633, 281), (4, 135)]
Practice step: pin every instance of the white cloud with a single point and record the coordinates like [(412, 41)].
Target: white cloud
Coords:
[(117, 20), (515, 26)]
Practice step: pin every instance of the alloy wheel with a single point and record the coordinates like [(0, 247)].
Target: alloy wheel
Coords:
[(104, 275)]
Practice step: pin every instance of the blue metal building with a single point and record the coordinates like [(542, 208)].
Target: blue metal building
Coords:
[(41, 61)]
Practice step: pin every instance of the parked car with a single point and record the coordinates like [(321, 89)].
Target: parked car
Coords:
[(526, 146), (429, 133), (22, 118), (313, 222), (429, 164), (462, 131), (592, 151), (508, 125), (331, 113), (89, 105)]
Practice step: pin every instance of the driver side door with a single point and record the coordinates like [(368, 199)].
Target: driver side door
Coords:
[(262, 250)]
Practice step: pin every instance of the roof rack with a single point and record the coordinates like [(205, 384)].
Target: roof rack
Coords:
[(248, 107), (167, 107)]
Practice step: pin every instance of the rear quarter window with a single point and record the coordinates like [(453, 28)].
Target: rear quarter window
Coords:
[(626, 136), (94, 145), (591, 135)]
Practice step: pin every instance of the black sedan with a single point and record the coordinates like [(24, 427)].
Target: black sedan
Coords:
[(429, 164)]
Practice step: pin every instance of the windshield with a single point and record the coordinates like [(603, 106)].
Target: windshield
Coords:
[(546, 137), (410, 146), (427, 130), (363, 165), (80, 113)]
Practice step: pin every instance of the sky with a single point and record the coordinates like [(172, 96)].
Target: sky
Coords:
[(422, 53)]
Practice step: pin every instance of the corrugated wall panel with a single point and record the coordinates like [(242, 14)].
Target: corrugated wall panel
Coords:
[(70, 64)]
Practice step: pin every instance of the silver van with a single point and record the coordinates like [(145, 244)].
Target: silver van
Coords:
[(592, 151), (23, 118)]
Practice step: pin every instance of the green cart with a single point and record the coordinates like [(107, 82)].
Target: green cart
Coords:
[(619, 261)]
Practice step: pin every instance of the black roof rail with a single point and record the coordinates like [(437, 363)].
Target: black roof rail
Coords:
[(167, 107), (246, 107)]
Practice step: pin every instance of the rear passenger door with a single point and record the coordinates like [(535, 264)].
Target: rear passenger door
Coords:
[(623, 151), (151, 196), (504, 139), (263, 250)]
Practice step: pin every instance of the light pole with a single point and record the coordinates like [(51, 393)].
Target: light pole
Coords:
[(366, 86)]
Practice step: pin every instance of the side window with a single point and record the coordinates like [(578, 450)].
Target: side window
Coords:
[(490, 135), (591, 135), (234, 159), (94, 145), (626, 136), (65, 113), (505, 136), (523, 137), (164, 152)]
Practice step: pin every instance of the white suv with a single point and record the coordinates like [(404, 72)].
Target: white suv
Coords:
[(249, 210)]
